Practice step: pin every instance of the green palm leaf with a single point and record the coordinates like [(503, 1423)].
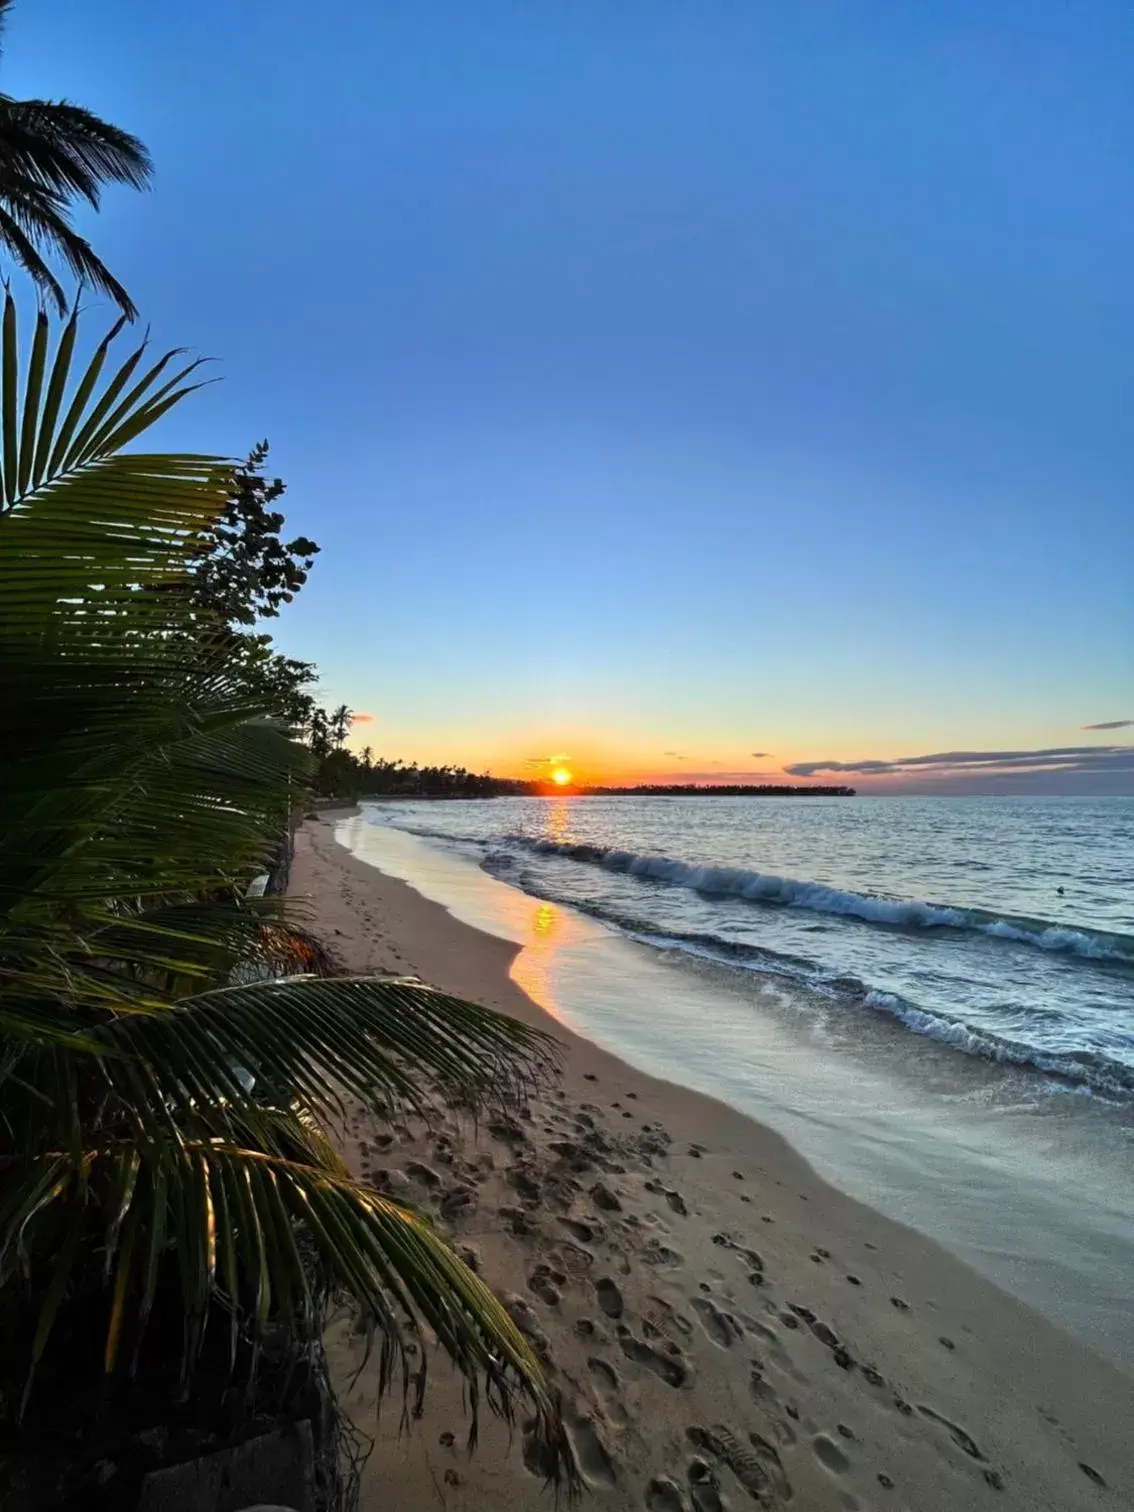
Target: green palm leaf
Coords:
[(162, 1128), (240, 1217), (393, 1044)]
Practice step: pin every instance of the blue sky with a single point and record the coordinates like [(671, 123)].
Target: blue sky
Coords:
[(658, 376)]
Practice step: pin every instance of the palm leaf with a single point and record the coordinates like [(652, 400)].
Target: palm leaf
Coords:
[(161, 1128), (52, 153), (68, 149), (239, 1216), (393, 1044)]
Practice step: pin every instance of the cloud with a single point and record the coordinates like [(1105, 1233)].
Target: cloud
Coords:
[(676, 755), (362, 719), (541, 761), (1110, 724), (759, 755), (987, 765)]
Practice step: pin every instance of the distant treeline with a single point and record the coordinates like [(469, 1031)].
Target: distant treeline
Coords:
[(343, 774), (718, 790), (363, 777)]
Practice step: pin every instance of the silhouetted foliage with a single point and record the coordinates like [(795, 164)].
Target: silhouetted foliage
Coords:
[(52, 154), (718, 790), (342, 774), (245, 570)]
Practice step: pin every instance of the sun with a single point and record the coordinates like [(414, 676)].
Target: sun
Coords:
[(561, 776)]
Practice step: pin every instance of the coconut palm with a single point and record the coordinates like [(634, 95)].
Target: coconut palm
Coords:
[(163, 1118), (52, 154), (341, 720)]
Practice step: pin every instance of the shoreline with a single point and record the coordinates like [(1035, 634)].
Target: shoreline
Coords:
[(854, 1361)]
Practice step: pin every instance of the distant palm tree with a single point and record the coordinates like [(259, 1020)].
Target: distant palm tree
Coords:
[(341, 720), (53, 153)]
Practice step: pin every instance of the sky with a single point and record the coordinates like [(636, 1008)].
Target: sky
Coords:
[(693, 391)]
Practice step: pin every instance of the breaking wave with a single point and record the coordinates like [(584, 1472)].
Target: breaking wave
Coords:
[(787, 892)]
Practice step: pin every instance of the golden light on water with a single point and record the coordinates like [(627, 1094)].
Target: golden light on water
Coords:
[(560, 776), (544, 921)]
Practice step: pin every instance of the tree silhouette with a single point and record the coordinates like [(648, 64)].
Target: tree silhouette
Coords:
[(53, 154), (341, 721)]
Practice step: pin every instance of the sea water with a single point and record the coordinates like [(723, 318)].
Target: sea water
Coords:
[(933, 998)]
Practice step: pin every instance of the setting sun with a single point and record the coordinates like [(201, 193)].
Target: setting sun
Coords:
[(561, 776)]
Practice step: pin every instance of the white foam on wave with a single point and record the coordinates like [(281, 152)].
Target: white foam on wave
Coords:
[(1088, 1071), (764, 887)]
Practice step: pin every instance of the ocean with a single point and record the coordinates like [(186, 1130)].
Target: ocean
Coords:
[(932, 997)]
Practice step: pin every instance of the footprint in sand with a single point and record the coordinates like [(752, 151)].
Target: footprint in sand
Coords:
[(672, 1368), (595, 1459), (609, 1297), (580, 1229), (718, 1325), (964, 1441), (545, 1283), (829, 1455), (523, 1315), (674, 1198), (669, 1315), (604, 1198), (759, 1469), (703, 1489), (574, 1258), (664, 1495), (660, 1255), (609, 1387), (426, 1175)]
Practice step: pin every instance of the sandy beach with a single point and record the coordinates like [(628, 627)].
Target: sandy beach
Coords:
[(725, 1328)]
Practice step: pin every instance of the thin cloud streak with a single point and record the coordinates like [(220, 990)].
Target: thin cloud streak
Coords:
[(1080, 767), (1111, 724)]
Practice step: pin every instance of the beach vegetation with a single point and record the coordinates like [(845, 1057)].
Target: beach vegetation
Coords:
[(175, 1055), (53, 156)]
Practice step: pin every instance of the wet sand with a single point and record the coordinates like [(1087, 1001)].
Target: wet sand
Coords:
[(726, 1329)]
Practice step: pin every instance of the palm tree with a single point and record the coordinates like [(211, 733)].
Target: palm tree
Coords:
[(163, 1140), (53, 153), (341, 720)]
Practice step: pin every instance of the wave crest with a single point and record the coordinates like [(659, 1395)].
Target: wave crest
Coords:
[(787, 892)]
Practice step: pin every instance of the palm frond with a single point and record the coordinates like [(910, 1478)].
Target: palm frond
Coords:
[(68, 149), (161, 1127), (38, 220), (242, 1218), (25, 248), (51, 153), (394, 1045)]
